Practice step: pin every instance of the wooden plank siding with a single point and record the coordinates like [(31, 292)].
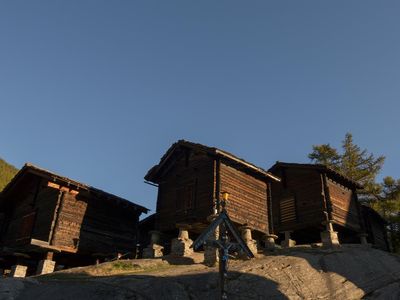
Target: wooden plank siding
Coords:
[(69, 218), (20, 215), (191, 177), (305, 188), (375, 227), (45, 212), (190, 180), (344, 206), (247, 202), (107, 227), (378, 237), (45, 205)]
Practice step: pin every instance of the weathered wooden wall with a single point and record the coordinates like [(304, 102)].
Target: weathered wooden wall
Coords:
[(108, 226), (185, 191), (344, 205), (375, 228), (68, 217), (247, 202), (58, 217), (45, 205), (305, 189), (20, 214), (378, 237)]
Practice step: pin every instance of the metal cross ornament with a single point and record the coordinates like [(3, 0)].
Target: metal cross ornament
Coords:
[(223, 244)]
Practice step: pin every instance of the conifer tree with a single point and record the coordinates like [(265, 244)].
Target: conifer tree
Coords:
[(354, 163), (326, 155)]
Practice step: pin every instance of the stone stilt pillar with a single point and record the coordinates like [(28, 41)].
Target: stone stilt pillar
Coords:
[(248, 239), (46, 265), (18, 271), (181, 246), (363, 239), (154, 250), (287, 243), (270, 242), (329, 237), (211, 257)]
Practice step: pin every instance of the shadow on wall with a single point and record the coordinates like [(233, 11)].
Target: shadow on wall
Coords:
[(198, 286)]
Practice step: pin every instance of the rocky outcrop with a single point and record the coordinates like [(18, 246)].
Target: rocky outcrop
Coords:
[(294, 273)]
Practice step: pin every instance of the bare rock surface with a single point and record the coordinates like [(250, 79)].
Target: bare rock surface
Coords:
[(350, 272)]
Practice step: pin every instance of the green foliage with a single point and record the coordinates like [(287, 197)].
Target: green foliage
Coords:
[(356, 164), (7, 172), (325, 154)]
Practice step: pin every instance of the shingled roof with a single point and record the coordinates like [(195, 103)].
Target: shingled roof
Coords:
[(152, 173), (319, 167), (30, 168)]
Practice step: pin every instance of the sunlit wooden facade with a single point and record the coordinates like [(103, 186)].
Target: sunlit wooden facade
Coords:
[(190, 179), (43, 212)]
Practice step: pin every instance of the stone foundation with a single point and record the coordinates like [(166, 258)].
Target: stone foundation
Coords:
[(211, 257), (329, 239), (45, 267), (270, 242), (288, 242), (18, 271), (181, 245), (248, 239), (154, 250)]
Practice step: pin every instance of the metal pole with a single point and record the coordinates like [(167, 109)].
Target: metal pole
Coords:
[(223, 261)]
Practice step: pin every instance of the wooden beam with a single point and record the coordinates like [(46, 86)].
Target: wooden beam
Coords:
[(327, 196), (218, 182), (46, 245), (55, 216), (269, 207)]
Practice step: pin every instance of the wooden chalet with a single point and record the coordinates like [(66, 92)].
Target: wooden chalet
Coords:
[(309, 196), (190, 179), (41, 212), (375, 226)]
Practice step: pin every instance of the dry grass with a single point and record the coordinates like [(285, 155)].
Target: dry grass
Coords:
[(114, 268)]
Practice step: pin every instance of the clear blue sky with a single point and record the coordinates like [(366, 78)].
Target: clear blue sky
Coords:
[(98, 90)]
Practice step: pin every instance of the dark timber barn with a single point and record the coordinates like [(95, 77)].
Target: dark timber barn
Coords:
[(190, 179), (47, 216), (375, 227), (308, 197)]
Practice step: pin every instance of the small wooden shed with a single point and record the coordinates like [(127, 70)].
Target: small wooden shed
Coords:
[(308, 196), (44, 212), (190, 179), (375, 226)]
